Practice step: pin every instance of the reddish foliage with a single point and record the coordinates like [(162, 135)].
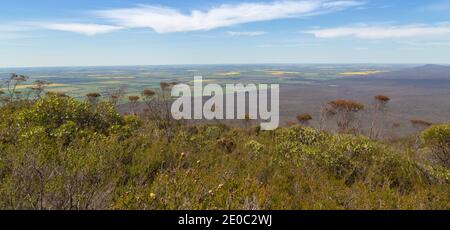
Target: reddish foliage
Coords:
[(304, 117), (382, 98), (421, 123), (93, 95), (164, 85), (347, 105), (148, 93), (134, 98), (54, 93)]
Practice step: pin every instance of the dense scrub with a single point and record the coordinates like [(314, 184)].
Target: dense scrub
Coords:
[(60, 153)]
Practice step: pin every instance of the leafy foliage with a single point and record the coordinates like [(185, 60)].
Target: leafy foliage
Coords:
[(60, 153), (438, 139)]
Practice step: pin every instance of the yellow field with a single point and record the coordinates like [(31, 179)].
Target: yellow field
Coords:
[(201, 81), (30, 86), (280, 73), (115, 77), (230, 74), (362, 72), (112, 82)]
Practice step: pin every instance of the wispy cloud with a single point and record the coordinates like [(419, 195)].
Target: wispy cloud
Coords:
[(86, 29), (385, 32), (20, 29), (246, 33), (13, 31), (169, 20), (425, 44)]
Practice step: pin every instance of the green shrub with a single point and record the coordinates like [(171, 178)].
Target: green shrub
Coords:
[(302, 135), (63, 116), (438, 139), (254, 147), (60, 153)]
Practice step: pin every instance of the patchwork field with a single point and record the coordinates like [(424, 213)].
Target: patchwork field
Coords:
[(304, 88)]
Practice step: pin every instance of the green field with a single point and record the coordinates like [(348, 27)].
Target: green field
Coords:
[(78, 81)]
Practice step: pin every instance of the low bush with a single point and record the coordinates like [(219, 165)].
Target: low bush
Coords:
[(437, 138), (60, 153)]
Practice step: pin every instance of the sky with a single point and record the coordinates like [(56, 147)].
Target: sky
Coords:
[(150, 32)]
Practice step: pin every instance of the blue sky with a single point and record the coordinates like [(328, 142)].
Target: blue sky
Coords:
[(132, 32)]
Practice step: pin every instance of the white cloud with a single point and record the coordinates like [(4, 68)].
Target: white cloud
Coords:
[(246, 33), (169, 20), (86, 29), (385, 32)]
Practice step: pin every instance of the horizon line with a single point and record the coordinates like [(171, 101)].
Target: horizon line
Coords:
[(226, 64)]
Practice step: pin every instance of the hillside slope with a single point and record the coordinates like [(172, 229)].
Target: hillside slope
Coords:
[(60, 153)]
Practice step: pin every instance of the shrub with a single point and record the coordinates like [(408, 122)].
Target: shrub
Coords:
[(348, 157), (254, 147), (345, 112), (346, 105), (59, 153), (383, 99), (438, 139), (379, 111), (93, 98), (56, 114), (148, 93), (302, 135), (420, 124), (226, 144), (304, 118)]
